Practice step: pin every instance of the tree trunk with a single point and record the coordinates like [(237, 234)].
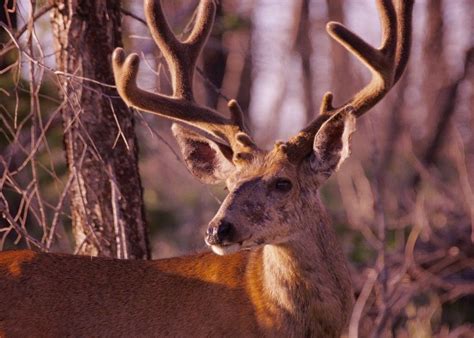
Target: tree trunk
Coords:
[(341, 67), (305, 50), (101, 147)]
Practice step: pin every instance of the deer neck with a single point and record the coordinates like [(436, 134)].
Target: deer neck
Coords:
[(306, 279)]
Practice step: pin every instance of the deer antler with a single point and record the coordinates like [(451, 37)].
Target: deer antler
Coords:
[(181, 57), (386, 64)]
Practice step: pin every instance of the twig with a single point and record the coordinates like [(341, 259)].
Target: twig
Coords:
[(360, 303), (20, 230)]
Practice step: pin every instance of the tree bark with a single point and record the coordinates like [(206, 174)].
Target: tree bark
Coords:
[(305, 49), (341, 68), (101, 147)]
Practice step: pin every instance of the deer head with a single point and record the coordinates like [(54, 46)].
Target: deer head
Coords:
[(271, 193)]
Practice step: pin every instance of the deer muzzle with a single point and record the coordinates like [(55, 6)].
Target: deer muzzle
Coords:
[(220, 237)]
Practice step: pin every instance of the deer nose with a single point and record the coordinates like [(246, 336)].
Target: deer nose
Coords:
[(220, 233), (224, 230)]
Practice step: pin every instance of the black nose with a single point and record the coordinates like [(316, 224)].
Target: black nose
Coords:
[(224, 230), (220, 233)]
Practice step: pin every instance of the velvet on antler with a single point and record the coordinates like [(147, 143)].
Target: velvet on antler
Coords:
[(181, 57), (386, 64)]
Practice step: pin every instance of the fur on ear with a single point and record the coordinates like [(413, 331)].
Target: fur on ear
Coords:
[(332, 143), (208, 161)]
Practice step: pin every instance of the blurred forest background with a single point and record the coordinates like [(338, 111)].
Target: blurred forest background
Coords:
[(403, 204)]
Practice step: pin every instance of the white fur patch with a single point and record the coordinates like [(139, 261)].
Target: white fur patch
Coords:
[(325, 160), (225, 250), (349, 129), (224, 167)]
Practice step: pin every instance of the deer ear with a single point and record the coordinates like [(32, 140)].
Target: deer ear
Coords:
[(207, 160), (332, 143)]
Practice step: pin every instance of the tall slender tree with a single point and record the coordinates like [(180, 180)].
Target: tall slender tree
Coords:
[(341, 66), (101, 146), (304, 47)]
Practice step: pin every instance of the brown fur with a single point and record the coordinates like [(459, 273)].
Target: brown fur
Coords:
[(293, 283), (201, 295)]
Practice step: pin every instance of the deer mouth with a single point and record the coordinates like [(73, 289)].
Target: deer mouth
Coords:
[(230, 248), (226, 249)]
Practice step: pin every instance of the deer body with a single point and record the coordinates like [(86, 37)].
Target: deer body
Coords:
[(289, 290), (279, 270)]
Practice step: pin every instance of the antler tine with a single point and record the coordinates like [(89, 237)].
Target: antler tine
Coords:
[(201, 29), (181, 58), (386, 64), (404, 28)]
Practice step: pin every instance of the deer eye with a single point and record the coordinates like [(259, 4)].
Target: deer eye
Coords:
[(283, 185)]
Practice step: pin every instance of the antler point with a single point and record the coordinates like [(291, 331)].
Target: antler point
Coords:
[(132, 60), (332, 26), (232, 104), (118, 56)]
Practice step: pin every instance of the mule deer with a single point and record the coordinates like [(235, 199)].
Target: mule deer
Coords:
[(279, 270)]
